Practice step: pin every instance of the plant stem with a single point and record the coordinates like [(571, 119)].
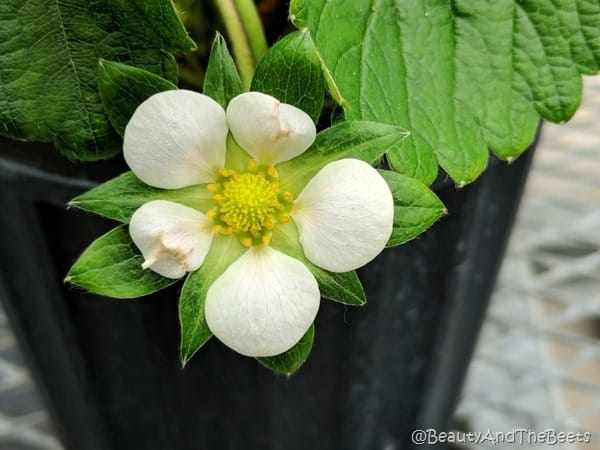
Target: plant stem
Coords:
[(246, 34)]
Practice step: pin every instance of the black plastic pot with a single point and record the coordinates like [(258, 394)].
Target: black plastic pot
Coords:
[(109, 369)]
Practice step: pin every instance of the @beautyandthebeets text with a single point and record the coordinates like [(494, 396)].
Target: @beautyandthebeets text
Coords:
[(518, 437)]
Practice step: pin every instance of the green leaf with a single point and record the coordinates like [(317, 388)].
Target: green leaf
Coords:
[(289, 362), (221, 81), (462, 76), (119, 198), (49, 53), (112, 266), (194, 330), (122, 88), (416, 207), (298, 16), (340, 287), (299, 13), (156, 22), (331, 85), (291, 72), (362, 140)]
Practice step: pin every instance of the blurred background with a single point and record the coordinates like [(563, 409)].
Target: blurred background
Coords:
[(537, 364)]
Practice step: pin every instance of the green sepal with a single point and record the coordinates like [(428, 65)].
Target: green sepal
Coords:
[(122, 89), (343, 287), (413, 158), (119, 198), (340, 287), (221, 81), (291, 72), (367, 141), (194, 329), (195, 333), (289, 362), (236, 158), (112, 266), (416, 207)]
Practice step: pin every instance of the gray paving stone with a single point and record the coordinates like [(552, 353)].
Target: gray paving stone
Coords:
[(538, 359)]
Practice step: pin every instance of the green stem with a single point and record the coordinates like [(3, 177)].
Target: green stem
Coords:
[(246, 34)]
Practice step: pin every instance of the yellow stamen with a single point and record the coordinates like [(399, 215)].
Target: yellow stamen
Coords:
[(247, 202)]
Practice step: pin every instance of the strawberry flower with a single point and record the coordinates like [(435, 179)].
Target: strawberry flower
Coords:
[(266, 300)]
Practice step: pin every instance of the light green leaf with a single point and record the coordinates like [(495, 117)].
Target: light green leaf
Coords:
[(340, 287), (119, 198), (416, 207), (289, 362), (221, 81), (112, 266), (194, 330), (462, 76), (331, 85), (122, 88), (298, 16), (299, 13), (291, 72), (49, 53), (367, 141)]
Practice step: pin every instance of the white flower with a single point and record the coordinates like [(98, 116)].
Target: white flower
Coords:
[(266, 300)]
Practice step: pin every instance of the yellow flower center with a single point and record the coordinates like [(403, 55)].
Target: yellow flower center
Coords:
[(249, 204)]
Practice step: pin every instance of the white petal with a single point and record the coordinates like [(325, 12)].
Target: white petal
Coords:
[(344, 215), (269, 130), (174, 239), (176, 139), (263, 303)]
